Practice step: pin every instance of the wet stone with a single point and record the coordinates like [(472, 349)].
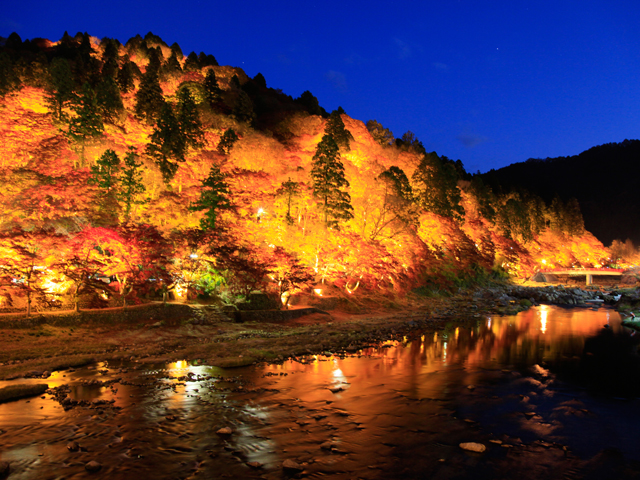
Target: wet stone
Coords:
[(291, 466), (473, 447), (93, 466), (225, 431), (73, 446)]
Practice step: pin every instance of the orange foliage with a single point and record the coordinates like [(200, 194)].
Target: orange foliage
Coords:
[(41, 188)]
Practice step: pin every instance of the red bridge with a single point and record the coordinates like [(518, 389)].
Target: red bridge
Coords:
[(589, 272)]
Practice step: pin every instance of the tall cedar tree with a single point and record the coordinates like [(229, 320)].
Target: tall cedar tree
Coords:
[(109, 99), (243, 108), (228, 139), (335, 127), (191, 64), (289, 190), (9, 80), (175, 49), (125, 76), (437, 187), (171, 67), (60, 87), (213, 197), (329, 183), (212, 90), (131, 186), (168, 146), (189, 120), (149, 98), (104, 174), (87, 122)]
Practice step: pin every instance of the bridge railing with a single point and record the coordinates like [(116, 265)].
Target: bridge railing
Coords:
[(584, 269)]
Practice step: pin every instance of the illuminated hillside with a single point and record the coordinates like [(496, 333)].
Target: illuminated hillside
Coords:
[(210, 182)]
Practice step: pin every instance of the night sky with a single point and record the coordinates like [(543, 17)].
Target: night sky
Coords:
[(489, 83)]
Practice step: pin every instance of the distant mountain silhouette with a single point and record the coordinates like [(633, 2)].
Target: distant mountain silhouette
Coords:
[(604, 179)]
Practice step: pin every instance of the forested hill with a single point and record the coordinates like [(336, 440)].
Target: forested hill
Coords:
[(604, 180), (168, 171)]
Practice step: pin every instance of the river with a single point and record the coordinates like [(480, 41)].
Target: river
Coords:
[(550, 393)]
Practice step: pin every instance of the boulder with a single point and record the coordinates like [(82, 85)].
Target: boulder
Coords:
[(291, 466), (473, 447)]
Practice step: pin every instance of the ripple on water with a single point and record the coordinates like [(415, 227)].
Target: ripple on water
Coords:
[(514, 384)]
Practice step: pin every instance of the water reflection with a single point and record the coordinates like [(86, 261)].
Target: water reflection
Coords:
[(396, 411)]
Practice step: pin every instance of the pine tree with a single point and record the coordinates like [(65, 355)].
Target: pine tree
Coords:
[(149, 98), (288, 190), (167, 147), (212, 90), (155, 61), (227, 141), (243, 108), (191, 64), (104, 174), (87, 122), (329, 182), (109, 99), (171, 67), (310, 103), (335, 127), (110, 58), (131, 185), (189, 120), (177, 51), (260, 80), (213, 197), (9, 80), (60, 87), (437, 187), (206, 60), (125, 76)]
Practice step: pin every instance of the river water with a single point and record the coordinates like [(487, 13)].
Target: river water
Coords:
[(550, 393)]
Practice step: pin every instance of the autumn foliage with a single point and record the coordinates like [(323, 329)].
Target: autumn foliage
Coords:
[(191, 174)]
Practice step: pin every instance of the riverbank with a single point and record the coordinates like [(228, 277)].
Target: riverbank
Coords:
[(38, 345)]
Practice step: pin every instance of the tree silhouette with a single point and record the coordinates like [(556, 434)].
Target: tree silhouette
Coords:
[(131, 185), (335, 127), (105, 175), (213, 197), (289, 190), (149, 98), (329, 183), (9, 80), (125, 76), (228, 139), (87, 122), (167, 146), (437, 187), (60, 87), (211, 88), (109, 99), (189, 120)]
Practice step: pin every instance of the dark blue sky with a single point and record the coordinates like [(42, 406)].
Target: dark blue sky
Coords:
[(489, 83)]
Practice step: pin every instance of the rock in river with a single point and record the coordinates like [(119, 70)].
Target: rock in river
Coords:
[(473, 447), (291, 466), (225, 431), (93, 466)]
